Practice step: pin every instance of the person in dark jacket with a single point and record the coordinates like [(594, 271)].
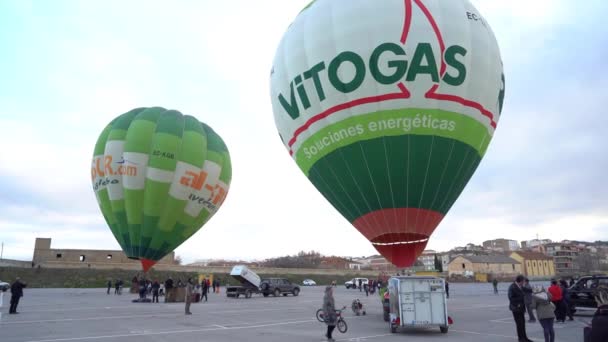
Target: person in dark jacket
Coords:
[(517, 306), (447, 289), (155, 289), (566, 300), (117, 286), (109, 285), (142, 288), (599, 323), (169, 290), (16, 294), (528, 300), (204, 289)]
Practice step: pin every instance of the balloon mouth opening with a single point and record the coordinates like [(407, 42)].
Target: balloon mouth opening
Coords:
[(401, 249), (133, 258), (399, 242), (147, 264), (392, 239)]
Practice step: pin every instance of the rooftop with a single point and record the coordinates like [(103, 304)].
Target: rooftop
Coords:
[(533, 255), (490, 259)]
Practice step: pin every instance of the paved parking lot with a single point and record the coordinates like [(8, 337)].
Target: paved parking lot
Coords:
[(54, 315)]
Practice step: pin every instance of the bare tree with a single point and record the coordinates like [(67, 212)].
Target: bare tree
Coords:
[(178, 260)]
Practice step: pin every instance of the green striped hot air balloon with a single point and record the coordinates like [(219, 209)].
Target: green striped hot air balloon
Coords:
[(388, 107), (158, 176)]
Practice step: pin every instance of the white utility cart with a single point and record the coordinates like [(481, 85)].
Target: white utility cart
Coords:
[(417, 302)]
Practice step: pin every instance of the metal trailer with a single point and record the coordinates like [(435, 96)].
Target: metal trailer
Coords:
[(417, 302), (250, 282)]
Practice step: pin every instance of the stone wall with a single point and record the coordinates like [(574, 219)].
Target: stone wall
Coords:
[(15, 263), (46, 256)]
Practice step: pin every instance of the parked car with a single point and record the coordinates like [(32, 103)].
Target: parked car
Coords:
[(4, 286), (354, 283), (582, 293), (309, 282), (278, 286)]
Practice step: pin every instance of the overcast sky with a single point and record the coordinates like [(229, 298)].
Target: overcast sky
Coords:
[(68, 67)]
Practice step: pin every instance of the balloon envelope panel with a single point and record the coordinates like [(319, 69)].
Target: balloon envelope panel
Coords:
[(388, 108), (158, 176)]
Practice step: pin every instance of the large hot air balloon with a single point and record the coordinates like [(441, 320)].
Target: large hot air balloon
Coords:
[(388, 106), (158, 176)]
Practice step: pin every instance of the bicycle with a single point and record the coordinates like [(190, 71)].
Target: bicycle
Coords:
[(340, 322)]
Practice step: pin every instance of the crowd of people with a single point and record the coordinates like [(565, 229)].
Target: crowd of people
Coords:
[(552, 305), (168, 289)]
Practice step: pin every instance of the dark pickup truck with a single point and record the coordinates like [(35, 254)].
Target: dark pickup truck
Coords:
[(278, 286), (582, 293)]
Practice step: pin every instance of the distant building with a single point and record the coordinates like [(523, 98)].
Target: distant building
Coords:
[(535, 265), (45, 255), (499, 266), (445, 259), (529, 244), (428, 259), (378, 263), (501, 245), (496, 265), (564, 257)]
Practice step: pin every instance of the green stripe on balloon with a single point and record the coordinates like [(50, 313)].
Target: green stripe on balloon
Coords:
[(193, 152), (392, 123), (139, 140), (119, 133), (102, 195), (408, 171)]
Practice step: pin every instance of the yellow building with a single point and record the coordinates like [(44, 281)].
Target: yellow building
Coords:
[(496, 265), (535, 264)]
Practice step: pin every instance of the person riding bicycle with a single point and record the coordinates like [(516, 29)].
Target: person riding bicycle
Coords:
[(329, 312)]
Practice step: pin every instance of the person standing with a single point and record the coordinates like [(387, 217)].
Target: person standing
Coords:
[(329, 312), (204, 289), (109, 285), (545, 310), (566, 300), (213, 285), (16, 294), (557, 298), (188, 299), (495, 285), (528, 300), (447, 289), (169, 290), (155, 290), (518, 307), (142, 289), (360, 282)]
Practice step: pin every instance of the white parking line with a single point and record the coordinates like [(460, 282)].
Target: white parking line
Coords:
[(85, 319), (484, 334), (102, 337), (363, 338)]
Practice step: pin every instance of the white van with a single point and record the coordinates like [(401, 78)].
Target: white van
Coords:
[(354, 283)]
